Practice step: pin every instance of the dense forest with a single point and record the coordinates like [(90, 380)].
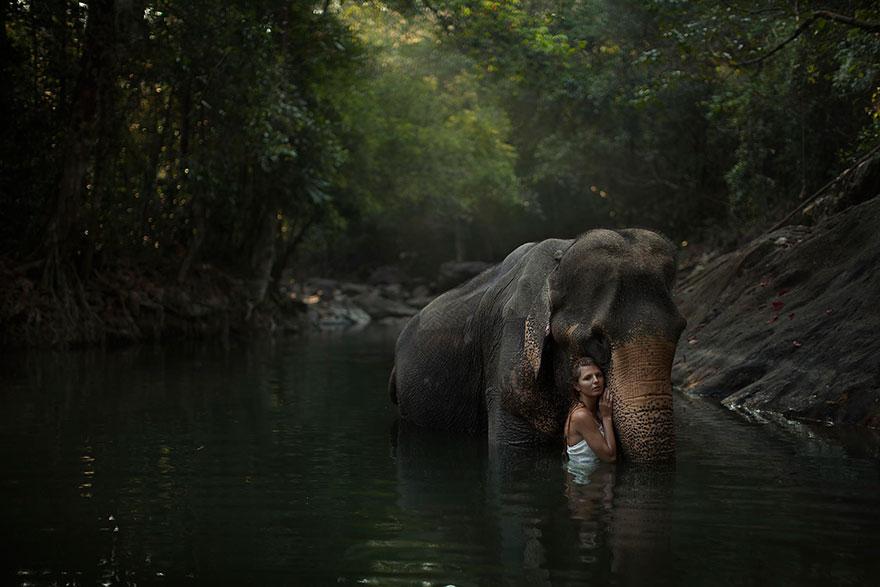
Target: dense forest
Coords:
[(335, 136)]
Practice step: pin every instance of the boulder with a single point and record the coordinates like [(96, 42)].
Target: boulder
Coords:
[(378, 307), (393, 291), (421, 291), (386, 274), (454, 273), (420, 302), (337, 316), (354, 289), (326, 288)]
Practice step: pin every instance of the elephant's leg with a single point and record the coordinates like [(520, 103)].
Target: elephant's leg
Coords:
[(507, 429)]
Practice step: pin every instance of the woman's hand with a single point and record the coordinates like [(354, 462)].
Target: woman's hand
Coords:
[(599, 435), (605, 408)]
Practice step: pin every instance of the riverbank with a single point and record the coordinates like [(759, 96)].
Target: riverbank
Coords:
[(789, 322), (124, 304)]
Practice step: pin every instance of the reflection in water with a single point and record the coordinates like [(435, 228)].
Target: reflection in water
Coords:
[(523, 520), (641, 529), (589, 489), (272, 463), (623, 512)]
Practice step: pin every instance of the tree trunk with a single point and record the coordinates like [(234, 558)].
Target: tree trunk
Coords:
[(263, 255), (151, 170), (199, 214), (95, 75), (196, 239), (90, 237), (185, 131), (287, 250)]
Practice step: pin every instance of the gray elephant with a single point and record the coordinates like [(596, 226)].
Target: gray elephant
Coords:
[(495, 354)]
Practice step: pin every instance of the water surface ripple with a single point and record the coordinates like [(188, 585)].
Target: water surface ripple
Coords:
[(284, 464)]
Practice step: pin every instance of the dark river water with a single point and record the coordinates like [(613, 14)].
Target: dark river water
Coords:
[(282, 463)]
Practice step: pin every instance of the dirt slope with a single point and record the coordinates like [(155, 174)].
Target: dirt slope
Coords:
[(791, 322)]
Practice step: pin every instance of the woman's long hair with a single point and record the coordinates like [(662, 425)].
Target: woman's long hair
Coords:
[(576, 364)]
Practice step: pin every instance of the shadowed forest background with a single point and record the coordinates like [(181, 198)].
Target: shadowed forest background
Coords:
[(163, 139), (187, 178)]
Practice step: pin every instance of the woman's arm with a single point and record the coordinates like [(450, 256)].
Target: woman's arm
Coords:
[(585, 425)]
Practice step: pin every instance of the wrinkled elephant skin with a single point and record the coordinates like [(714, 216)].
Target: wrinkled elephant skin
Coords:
[(495, 354)]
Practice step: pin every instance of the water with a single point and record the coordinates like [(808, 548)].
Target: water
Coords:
[(283, 464)]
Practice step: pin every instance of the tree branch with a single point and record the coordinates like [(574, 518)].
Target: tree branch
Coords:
[(797, 32), (822, 189), (870, 27)]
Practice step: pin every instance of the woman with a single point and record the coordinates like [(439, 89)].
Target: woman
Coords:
[(589, 432)]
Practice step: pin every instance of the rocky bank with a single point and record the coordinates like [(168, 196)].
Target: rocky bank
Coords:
[(790, 323)]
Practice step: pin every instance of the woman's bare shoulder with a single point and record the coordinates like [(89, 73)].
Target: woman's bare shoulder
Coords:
[(582, 419)]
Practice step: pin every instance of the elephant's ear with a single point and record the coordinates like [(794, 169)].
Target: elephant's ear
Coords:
[(536, 330), (524, 347), (526, 331)]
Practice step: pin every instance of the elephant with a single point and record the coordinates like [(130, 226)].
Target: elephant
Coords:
[(494, 355)]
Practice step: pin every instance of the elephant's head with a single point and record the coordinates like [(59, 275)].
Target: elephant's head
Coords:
[(609, 297)]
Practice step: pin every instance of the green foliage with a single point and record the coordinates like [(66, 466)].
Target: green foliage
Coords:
[(429, 147), (655, 104), (377, 129), (225, 109)]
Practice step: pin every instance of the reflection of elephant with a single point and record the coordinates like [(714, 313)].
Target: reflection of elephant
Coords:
[(495, 354)]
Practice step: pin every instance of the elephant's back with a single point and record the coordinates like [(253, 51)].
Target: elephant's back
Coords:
[(442, 355), (437, 372)]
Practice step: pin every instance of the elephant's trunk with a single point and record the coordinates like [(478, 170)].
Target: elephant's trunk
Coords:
[(641, 385)]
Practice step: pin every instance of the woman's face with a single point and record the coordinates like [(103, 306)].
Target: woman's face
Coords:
[(590, 381)]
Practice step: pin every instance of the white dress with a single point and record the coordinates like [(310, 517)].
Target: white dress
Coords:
[(581, 453), (582, 460)]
